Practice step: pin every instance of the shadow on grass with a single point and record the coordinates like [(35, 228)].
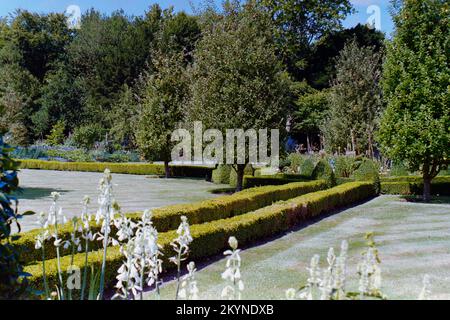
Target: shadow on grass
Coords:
[(37, 193), (203, 263), (434, 199)]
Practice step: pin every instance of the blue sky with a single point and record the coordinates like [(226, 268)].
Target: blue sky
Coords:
[(137, 7)]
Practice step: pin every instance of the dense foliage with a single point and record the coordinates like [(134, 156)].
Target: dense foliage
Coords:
[(237, 79), (13, 280), (355, 101), (415, 127)]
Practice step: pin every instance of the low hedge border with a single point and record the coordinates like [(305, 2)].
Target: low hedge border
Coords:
[(414, 188), (168, 218), (415, 179), (125, 168), (211, 238), (250, 182)]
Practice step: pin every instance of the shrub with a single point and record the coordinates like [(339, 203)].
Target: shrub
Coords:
[(292, 163), (248, 171), (85, 136), (211, 238), (415, 187), (56, 135), (399, 169), (307, 167), (369, 170), (168, 218), (13, 281), (344, 166), (75, 155), (324, 171), (221, 175)]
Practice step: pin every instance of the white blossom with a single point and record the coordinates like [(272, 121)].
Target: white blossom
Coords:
[(425, 293), (189, 289), (232, 273), (181, 243)]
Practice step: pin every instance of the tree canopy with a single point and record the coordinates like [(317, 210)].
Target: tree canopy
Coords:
[(415, 127)]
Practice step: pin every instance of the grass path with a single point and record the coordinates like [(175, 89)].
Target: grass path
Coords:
[(133, 192), (413, 240)]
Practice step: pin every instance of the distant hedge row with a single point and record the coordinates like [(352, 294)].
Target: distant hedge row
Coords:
[(168, 218), (415, 188), (250, 182), (211, 238), (125, 168)]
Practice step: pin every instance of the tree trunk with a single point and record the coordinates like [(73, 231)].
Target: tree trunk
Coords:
[(426, 188), (167, 168), (308, 144), (240, 177)]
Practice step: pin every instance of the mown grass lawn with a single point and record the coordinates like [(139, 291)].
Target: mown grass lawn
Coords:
[(413, 239)]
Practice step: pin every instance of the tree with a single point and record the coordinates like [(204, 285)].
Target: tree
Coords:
[(60, 100), (40, 40), (311, 108), (299, 23), (124, 115), (18, 94), (161, 109), (415, 127), (320, 69), (355, 100), (237, 81)]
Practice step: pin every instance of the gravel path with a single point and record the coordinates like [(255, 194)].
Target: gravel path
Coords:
[(133, 192)]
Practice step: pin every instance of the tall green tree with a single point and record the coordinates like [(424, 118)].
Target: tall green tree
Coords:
[(162, 106), (416, 125), (311, 108), (355, 101), (299, 23), (320, 69), (237, 79)]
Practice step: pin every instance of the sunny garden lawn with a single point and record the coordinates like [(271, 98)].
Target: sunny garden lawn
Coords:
[(413, 240), (133, 192)]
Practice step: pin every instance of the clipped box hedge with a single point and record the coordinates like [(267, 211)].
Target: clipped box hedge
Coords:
[(125, 168), (251, 182), (168, 218), (415, 179), (211, 238), (415, 188)]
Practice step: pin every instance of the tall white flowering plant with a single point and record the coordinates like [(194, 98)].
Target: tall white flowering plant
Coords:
[(105, 217), (330, 283), (189, 289), (88, 236), (55, 219), (181, 247), (232, 274), (41, 238), (142, 264)]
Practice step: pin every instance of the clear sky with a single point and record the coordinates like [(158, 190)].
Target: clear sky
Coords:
[(137, 7)]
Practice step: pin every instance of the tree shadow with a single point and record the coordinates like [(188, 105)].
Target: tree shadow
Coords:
[(202, 263), (37, 193), (434, 199)]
